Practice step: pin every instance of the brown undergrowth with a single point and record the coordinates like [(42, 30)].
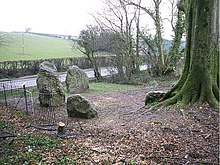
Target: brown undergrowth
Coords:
[(123, 134)]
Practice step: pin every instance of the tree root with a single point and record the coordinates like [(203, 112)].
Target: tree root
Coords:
[(183, 98)]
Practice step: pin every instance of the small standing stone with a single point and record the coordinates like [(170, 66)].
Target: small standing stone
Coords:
[(78, 106)]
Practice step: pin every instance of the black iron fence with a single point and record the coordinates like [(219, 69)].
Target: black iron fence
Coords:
[(19, 97)]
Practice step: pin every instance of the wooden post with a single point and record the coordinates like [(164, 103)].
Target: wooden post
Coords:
[(60, 129)]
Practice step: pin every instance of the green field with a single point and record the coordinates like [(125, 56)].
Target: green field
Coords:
[(36, 47)]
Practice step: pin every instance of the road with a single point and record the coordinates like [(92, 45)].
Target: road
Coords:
[(30, 81)]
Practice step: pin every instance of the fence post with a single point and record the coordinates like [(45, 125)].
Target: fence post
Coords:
[(25, 97), (5, 97)]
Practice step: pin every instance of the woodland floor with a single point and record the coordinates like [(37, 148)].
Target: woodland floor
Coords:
[(124, 133)]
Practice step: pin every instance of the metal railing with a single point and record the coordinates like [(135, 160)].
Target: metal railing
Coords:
[(18, 97)]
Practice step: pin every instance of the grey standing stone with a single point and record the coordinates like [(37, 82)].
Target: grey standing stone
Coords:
[(80, 107), (77, 80), (49, 86)]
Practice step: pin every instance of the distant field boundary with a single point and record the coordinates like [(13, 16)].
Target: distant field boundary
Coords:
[(10, 69)]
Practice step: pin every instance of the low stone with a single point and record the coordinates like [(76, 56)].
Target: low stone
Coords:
[(153, 84), (80, 107), (51, 91), (179, 67), (153, 96), (77, 80)]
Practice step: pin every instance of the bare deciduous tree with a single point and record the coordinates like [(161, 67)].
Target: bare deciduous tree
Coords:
[(154, 13), (88, 42), (121, 19)]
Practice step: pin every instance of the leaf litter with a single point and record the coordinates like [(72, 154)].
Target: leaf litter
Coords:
[(124, 135)]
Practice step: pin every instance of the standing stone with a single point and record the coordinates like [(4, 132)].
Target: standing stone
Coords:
[(77, 80), (49, 86), (78, 106)]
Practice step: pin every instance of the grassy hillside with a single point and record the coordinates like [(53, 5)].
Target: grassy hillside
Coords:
[(36, 47)]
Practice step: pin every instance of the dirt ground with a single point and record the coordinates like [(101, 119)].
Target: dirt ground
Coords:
[(125, 133)]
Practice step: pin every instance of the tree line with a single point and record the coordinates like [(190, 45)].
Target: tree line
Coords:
[(118, 30)]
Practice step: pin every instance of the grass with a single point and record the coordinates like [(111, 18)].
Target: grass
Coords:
[(96, 88), (6, 125), (103, 87), (27, 149), (17, 92), (36, 47)]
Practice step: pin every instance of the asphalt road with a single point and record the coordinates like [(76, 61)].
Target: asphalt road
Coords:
[(30, 81)]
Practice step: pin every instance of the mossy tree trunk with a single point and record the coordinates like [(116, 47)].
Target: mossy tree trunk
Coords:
[(199, 82)]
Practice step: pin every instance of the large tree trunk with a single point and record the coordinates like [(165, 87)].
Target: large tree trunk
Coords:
[(200, 78)]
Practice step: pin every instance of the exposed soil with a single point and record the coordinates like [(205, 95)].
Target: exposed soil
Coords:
[(126, 133)]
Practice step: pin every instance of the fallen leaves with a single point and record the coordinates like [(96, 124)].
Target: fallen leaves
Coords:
[(122, 135)]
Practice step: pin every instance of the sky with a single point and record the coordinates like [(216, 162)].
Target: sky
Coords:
[(47, 16), (51, 16)]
